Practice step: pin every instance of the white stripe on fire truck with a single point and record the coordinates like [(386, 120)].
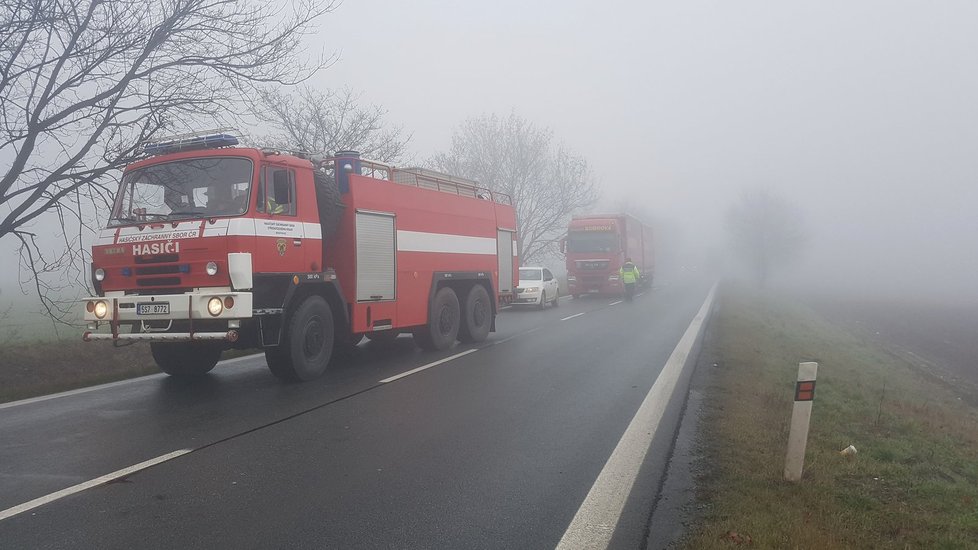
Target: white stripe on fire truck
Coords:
[(312, 230), (218, 229), (244, 227), (417, 241)]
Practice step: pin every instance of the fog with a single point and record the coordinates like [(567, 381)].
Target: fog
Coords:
[(860, 113)]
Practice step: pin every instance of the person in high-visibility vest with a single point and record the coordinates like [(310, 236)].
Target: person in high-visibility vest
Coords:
[(629, 276)]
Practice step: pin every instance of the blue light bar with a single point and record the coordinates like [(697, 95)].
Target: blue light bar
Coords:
[(212, 141)]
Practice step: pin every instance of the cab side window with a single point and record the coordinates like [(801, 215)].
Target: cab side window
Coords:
[(276, 195)]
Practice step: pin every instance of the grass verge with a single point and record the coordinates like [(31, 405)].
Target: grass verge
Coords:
[(29, 369), (914, 482)]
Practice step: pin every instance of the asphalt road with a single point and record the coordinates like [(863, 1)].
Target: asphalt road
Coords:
[(496, 448)]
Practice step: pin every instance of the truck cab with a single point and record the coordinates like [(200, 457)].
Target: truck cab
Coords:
[(596, 247)]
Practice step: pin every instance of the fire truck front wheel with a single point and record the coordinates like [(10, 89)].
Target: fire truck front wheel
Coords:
[(443, 319), (307, 343), (476, 315), (185, 359)]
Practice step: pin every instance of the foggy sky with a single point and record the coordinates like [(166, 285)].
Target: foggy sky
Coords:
[(862, 113)]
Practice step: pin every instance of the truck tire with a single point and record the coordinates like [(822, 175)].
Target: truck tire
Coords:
[(476, 316), (186, 359), (443, 321), (307, 343)]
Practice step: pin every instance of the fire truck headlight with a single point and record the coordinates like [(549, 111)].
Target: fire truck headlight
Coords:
[(100, 274), (571, 279), (613, 278), (215, 306), (101, 309), (211, 268)]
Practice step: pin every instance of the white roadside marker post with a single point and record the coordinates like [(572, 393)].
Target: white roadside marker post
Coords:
[(801, 415)]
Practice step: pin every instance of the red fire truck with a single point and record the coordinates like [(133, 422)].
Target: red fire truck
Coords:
[(212, 246), (596, 247)]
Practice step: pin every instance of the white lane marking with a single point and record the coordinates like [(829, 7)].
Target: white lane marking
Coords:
[(79, 391), (615, 303), (30, 505), (596, 519), (575, 315), (428, 366), (639, 294)]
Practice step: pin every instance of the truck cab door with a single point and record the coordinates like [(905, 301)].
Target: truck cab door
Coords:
[(278, 228)]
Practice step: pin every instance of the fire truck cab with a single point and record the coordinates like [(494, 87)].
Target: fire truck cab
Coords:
[(212, 246)]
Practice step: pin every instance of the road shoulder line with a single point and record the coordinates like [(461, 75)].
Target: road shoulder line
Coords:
[(594, 523), (575, 315), (107, 385)]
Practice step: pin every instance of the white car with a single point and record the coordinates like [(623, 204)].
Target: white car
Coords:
[(537, 286)]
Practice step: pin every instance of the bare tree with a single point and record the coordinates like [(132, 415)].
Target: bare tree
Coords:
[(327, 121), (766, 232), (83, 83), (512, 155)]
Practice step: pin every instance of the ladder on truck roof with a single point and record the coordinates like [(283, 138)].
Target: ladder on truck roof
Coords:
[(424, 178)]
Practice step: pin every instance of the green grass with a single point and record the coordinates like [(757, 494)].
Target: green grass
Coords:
[(914, 482), (29, 369)]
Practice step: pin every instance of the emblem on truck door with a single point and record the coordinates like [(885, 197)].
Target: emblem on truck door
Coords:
[(280, 244)]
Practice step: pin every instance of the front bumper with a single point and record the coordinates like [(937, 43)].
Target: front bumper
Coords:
[(528, 298), (152, 317)]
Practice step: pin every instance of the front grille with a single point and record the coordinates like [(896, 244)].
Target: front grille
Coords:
[(158, 270), (158, 281), (158, 259)]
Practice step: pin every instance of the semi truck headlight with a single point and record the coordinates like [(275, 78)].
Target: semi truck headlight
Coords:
[(100, 274), (101, 309), (212, 268), (215, 306)]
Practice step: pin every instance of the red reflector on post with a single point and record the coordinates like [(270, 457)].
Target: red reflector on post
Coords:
[(805, 391)]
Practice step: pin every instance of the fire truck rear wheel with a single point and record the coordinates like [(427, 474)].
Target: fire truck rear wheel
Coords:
[(185, 359), (476, 315), (443, 321), (307, 343)]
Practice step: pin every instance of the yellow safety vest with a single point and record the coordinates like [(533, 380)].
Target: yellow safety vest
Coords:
[(630, 275)]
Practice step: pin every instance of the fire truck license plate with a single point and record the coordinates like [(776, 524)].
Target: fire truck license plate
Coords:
[(153, 308)]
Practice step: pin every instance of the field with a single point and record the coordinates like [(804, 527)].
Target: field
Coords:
[(914, 481)]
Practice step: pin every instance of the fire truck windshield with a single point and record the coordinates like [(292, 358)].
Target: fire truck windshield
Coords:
[(592, 241), (193, 188)]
